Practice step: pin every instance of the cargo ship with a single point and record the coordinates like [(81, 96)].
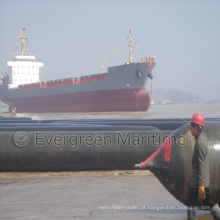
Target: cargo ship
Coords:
[(121, 88)]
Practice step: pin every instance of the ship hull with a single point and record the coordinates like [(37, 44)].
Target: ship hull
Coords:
[(122, 88), (93, 101)]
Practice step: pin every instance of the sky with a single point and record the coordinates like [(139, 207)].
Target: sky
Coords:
[(76, 38)]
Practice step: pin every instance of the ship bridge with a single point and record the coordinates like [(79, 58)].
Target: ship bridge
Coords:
[(23, 69)]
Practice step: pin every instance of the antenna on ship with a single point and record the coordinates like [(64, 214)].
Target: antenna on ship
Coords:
[(22, 39), (130, 47)]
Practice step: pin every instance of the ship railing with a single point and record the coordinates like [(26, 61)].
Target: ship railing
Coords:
[(63, 82), (150, 61)]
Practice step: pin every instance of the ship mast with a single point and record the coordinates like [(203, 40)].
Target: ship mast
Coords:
[(130, 47), (22, 39)]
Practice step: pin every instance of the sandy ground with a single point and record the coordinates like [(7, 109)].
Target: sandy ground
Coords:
[(88, 195)]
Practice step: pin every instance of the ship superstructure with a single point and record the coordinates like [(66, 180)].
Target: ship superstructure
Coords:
[(23, 68)]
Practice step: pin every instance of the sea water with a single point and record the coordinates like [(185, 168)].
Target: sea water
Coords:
[(183, 110)]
